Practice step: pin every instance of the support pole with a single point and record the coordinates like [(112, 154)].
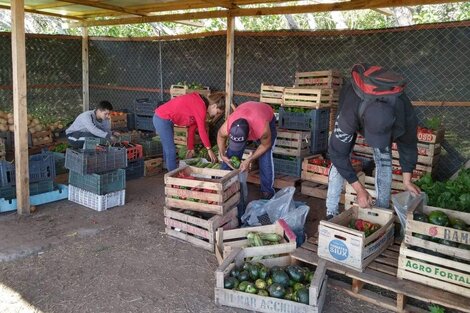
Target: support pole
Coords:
[(229, 64), (85, 70), (20, 109)]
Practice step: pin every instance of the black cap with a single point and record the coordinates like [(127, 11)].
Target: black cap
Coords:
[(238, 134), (379, 118)]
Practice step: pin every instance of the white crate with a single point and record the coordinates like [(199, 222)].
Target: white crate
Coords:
[(94, 201)]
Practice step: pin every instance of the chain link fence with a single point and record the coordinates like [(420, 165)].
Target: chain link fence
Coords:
[(435, 59)]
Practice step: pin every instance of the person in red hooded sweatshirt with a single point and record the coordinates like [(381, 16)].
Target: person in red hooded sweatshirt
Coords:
[(188, 110)]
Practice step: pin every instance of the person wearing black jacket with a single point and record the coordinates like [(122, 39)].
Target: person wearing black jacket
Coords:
[(382, 115)]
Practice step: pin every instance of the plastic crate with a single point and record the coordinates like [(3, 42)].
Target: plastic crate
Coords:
[(134, 151), (59, 159), (151, 147), (41, 167), (94, 201), (135, 169), (59, 193), (319, 141), (99, 161), (144, 123), (145, 107), (99, 183), (9, 192), (90, 143), (310, 120), (286, 165)]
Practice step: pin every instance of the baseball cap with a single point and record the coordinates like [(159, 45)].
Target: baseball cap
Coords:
[(379, 118), (238, 134)]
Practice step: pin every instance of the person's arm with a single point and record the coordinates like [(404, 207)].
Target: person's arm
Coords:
[(222, 136), (87, 123), (407, 145)]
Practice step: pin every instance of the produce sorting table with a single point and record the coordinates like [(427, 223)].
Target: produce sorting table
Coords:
[(381, 273)]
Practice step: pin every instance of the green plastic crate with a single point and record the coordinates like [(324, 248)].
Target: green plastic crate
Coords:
[(99, 184)]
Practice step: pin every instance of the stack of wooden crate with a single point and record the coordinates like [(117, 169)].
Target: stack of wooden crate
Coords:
[(290, 149), (198, 201)]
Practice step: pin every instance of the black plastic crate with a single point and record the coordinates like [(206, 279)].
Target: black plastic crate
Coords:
[(319, 141), (41, 167), (102, 160), (144, 123), (9, 192), (99, 184), (135, 169), (151, 147), (145, 107), (310, 120), (285, 165)]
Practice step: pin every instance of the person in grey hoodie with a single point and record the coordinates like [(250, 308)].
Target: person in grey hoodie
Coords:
[(93, 123)]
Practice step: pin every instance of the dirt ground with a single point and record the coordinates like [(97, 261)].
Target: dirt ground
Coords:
[(67, 258)]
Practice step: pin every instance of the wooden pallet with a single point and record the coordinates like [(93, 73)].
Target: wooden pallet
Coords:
[(280, 181), (309, 98), (271, 94), (381, 273), (317, 190), (292, 143), (316, 79)]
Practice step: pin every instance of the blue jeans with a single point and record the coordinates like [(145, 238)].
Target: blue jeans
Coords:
[(383, 182), (164, 128), (266, 163)]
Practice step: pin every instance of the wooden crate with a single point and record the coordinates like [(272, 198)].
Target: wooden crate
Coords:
[(153, 166), (387, 290), (216, 191), (319, 174), (422, 159), (256, 303), (340, 244), (271, 94), (437, 136), (322, 79), (309, 98), (292, 143), (41, 138), (424, 149), (280, 181), (119, 120), (179, 90), (199, 231), (317, 190), (181, 134), (227, 240), (436, 264)]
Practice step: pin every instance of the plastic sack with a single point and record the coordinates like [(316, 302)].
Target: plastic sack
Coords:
[(296, 221), (402, 202)]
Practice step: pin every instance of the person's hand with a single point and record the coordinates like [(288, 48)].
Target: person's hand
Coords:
[(415, 190), (113, 139), (212, 156), (117, 134), (245, 165), (189, 154), (364, 199), (227, 161)]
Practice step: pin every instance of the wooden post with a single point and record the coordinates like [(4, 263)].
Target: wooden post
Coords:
[(85, 70), (20, 109), (229, 64)]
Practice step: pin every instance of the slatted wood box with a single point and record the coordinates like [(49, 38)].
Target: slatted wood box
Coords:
[(181, 134), (216, 194), (432, 263), (153, 166), (319, 79), (179, 90), (198, 230), (227, 240), (309, 98), (118, 120), (257, 303), (437, 136), (424, 149), (292, 143), (271, 94), (340, 244), (425, 160), (41, 138), (319, 174)]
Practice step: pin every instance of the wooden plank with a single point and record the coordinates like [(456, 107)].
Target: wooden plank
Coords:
[(20, 107), (229, 64)]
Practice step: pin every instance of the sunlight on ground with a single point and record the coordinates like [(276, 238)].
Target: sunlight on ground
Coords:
[(11, 301)]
